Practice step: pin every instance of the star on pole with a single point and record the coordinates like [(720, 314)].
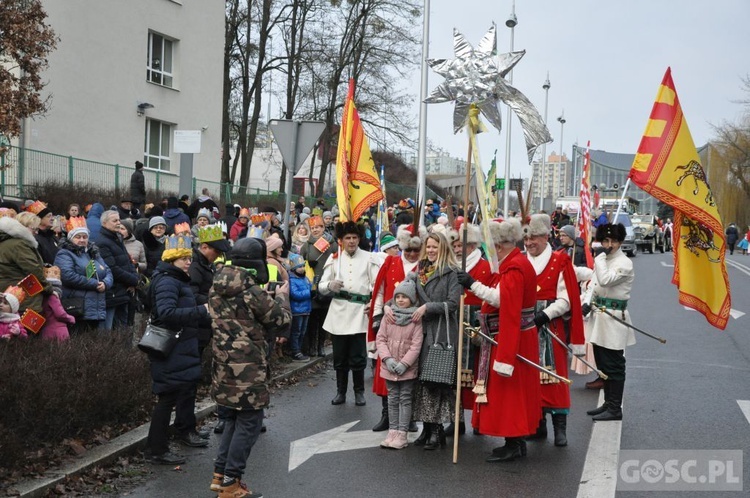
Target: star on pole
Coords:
[(477, 77)]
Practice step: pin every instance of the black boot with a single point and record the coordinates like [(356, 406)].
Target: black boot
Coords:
[(515, 447), (541, 430), (560, 424), (413, 426), (614, 408), (342, 381), (358, 381), (603, 408), (383, 425), (426, 431), (450, 429), (437, 437)]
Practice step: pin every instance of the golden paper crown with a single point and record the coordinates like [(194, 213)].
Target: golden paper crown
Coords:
[(244, 213), (210, 233), (36, 207), (176, 247), (16, 292), (257, 219), (52, 272), (75, 222), (182, 229), (314, 221), (10, 213)]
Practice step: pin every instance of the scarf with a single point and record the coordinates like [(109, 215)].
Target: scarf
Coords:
[(402, 316), (426, 269), (13, 317)]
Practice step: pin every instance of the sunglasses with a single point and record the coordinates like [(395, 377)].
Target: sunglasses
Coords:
[(411, 249)]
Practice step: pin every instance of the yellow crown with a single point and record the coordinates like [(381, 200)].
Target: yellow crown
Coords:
[(210, 233), (176, 247), (36, 207), (75, 222), (182, 229), (16, 292)]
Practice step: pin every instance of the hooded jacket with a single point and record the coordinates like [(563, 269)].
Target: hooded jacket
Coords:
[(94, 220), (72, 261), (18, 259), (245, 319), (117, 258)]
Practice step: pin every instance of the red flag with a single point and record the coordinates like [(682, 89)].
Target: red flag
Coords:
[(32, 320), (31, 285), (584, 216)]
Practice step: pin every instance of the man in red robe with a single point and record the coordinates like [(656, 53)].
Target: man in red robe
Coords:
[(558, 300), (513, 405)]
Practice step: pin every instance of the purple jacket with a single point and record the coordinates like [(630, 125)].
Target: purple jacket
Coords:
[(402, 343), (56, 326)]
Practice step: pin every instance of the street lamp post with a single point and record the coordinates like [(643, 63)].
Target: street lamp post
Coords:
[(511, 23), (561, 120), (270, 84), (545, 86)]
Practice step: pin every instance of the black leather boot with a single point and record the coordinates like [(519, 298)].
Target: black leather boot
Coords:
[(560, 424), (413, 426), (426, 431), (437, 437), (358, 381), (450, 429), (603, 408), (383, 425), (515, 447), (614, 407), (342, 381), (541, 430)]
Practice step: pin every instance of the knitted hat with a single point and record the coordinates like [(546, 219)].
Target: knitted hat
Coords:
[(387, 240), (537, 225), (176, 247), (156, 220), (128, 224), (76, 225), (303, 217), (611, 231), (569, 230), (273, 242), (138, 165), (408, 289), (306, 210), (327, 214), (203, 213), (506, 232)]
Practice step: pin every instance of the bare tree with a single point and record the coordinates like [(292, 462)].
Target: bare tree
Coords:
[(25, 42)]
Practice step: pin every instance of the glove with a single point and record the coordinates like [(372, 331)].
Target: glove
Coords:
[(586, 308), (400, 369), (335, 285), (599, 250), (376, 322), (390, 364), (464, 279), (540, 319)]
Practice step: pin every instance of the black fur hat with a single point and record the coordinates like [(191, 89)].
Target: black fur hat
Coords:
[(611, 231), (347, 227)]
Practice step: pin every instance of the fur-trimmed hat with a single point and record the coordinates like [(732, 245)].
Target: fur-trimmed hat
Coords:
[(537, 225), (349, 227), (387, 240), (452, 235), (611, 231), (506, 232), (473, 234), (408, 239)]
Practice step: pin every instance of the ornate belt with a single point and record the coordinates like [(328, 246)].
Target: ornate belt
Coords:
[(612, 304), (352, 297)]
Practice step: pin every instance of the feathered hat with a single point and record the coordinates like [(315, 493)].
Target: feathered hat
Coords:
[(176, 247), (407, 238), (610, 231), (537, 225)]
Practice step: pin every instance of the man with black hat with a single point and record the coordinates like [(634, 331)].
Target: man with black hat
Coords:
[(610, 289), (349, 277), (137, 186)]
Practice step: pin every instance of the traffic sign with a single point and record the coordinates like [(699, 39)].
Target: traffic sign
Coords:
[(500, 183), (296, 139)]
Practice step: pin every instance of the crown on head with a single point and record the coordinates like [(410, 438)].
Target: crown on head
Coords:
[(16, 292), (315, 221), (75, 222), (176, 247), (182, 229), (36, 207), (210, 233), (244, 213)]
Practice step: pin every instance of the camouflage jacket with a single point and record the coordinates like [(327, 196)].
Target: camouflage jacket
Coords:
[(245, 318)]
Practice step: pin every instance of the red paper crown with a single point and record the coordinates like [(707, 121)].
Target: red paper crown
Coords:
[(75, 222), (36, 207), (181, 229), (16, 292)]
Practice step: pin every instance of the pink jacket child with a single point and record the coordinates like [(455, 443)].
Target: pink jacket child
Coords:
[(10, 320), (401, 340), (57, 320)]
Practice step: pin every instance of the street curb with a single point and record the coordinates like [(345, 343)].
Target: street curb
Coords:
[(125, 443)]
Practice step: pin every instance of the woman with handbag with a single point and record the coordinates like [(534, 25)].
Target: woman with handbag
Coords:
[(85, 277), (175, 373), (439, 291)]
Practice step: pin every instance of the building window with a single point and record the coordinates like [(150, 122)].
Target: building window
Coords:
[(157, 145), (159, 62)]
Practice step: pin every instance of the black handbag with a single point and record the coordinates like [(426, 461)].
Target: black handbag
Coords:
[(158, 341), (439, 367), (73, 306)]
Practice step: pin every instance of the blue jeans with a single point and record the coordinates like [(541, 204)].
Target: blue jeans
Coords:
[(116, 316), (299, 327)]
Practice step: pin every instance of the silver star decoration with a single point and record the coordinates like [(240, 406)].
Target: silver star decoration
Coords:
[(476, 77)]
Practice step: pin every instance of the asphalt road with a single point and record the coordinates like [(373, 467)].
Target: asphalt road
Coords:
[(679, 396)]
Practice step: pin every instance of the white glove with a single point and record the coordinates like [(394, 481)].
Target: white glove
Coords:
[(335, 285), (578, 349), (503, 369)]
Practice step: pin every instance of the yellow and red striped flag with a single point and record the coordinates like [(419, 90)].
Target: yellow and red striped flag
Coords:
[(357, 180), (668, 167)]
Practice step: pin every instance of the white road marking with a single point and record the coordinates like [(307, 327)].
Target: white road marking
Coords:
[(336, 439), (745, 407), (732, 312), (664, 263), (743, 268), (599, 476)]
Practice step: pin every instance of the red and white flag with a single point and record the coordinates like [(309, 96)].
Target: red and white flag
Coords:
[(584, 216)]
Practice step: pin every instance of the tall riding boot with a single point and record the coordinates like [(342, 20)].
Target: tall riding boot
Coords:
[(560, 424), (426, 431), (515, 447), (437, 437), (614, 408), (342, 381), (603, 408), (541, 430), (358, 380), (384, 423)]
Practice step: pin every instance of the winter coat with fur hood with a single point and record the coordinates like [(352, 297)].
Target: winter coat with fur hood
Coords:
[(18, 259)]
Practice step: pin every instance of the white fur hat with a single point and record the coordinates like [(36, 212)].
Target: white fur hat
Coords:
[(406, 239), (539, 224), (506, 232), (473, 235), (437, 228), (452, 235)]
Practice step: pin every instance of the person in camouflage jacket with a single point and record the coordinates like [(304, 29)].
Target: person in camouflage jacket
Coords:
[(246, 319)]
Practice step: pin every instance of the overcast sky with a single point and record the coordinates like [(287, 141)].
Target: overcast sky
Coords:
[(606, 60)]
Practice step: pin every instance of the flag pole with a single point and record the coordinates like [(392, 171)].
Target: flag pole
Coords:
[(619, 204)]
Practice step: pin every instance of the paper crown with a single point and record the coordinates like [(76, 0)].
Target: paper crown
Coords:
[(256, 233), (223, 227), (204, 213), (10, 213), (182, 229), (52, 272), (210, 233), (257, 219), (37, 207), (315, 221), (75, 222), (244, 213), (176, 247), (17, 292)]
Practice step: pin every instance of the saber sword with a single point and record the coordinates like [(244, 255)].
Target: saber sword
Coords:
[(580, 358), (603, 309), (475, 331)]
